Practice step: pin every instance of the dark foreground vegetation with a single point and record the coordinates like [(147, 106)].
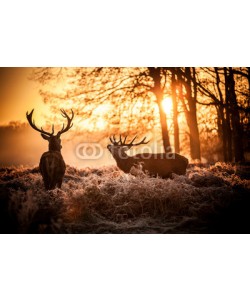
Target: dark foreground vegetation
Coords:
[(211, 199)]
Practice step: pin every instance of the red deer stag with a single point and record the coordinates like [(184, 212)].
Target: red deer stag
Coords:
[(52, 165), (156, 164)]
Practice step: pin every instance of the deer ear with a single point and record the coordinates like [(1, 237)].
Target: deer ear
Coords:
[(45, 136), (126, 148)]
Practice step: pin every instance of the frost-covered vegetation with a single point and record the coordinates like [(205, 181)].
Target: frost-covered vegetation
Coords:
[(211, 199)]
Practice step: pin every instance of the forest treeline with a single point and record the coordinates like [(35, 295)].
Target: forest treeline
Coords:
[(211, 105)]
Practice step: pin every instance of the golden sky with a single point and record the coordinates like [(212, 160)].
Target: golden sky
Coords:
[(18, 94)]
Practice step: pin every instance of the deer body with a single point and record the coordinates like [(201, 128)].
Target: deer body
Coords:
[(52, 168), (52, 165), (159, 164)]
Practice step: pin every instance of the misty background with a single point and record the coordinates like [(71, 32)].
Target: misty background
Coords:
[(21, 145)]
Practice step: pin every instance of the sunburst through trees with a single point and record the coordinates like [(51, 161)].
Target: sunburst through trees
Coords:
[(201, 112)]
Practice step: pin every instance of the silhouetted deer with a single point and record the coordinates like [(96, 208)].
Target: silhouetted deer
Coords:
[(52, 165), (156, 164)]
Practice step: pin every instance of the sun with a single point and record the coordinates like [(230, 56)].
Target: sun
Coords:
[(167, 105), (101, 124)]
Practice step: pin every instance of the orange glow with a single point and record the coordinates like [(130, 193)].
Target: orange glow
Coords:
[(104, 102), (167, 105), (101, 123), (102, 109), (100, 113), (18, 95)]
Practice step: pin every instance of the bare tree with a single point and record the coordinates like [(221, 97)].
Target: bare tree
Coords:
[(122, 88), (187, 86), (220, 87), (135, 99)]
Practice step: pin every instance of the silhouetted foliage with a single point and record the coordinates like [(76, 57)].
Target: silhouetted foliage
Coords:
[(215, 102)]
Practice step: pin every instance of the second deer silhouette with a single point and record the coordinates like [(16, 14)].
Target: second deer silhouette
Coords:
[(52, 165), (156, 164)]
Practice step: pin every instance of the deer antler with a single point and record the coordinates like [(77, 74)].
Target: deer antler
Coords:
[(69, 120), (33, 125), (123, 143), (142, 142)]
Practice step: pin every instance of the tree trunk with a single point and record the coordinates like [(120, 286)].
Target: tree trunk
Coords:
[(224, 112), (164, 126), (222, 130), (175, 115), (194, 136), (228, 135), (235, 115), (155, 74), (192, 115)]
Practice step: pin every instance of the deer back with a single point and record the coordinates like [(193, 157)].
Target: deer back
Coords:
[(162, 164), (52, 168)]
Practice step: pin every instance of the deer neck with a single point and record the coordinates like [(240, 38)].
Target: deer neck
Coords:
[(123, 161), (54, 147), (54, 150)]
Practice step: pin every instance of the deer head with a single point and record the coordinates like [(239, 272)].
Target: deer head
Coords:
[(54, 140), (119, 148)]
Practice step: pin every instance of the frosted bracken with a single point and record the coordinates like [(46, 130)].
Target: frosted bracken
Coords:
[(105, 200)]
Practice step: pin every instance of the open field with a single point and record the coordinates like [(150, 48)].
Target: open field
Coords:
[(212, 199)]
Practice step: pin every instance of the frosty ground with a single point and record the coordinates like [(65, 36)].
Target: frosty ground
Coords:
[(211, 199)]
